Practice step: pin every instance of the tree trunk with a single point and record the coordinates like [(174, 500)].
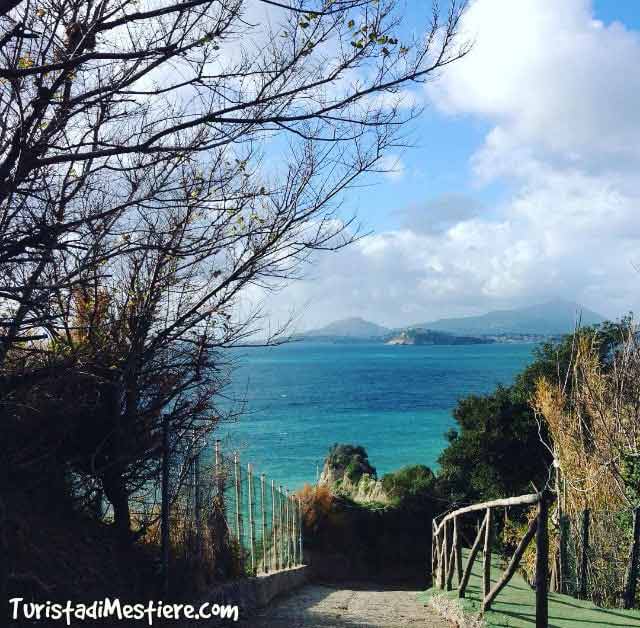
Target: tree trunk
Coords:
[(4, 559), (115, 490)]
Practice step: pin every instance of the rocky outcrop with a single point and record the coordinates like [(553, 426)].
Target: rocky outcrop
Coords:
[(346, 472)]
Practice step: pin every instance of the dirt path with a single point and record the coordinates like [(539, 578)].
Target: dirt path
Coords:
[(353, 606)]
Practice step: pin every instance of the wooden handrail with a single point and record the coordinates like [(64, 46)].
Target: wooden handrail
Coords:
[(522, 500), (447, 551)]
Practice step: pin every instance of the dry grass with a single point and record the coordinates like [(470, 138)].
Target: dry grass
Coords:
[(316, 504), (593, 419), (451, 609)]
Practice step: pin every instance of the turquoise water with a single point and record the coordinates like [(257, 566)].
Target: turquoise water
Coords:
[(396, 401)]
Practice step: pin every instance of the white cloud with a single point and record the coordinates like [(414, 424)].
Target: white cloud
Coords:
[(549, 76), (560, 92), (392, 167)]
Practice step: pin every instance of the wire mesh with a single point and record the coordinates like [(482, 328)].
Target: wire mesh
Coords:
[(224, 516), (610, 535), (263, 517)]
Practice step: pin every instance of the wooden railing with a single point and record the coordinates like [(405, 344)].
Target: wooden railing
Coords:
[(446, 551)]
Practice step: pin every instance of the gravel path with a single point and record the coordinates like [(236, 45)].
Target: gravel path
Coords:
[(353, 606)]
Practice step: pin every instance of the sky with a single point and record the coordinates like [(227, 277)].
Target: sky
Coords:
[(521, 185)]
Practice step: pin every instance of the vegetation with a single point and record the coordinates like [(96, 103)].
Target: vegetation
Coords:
[(593, 421), (414, 482), (137, 207), (347, 540), (499, 447), (353, 459), (515, 606), (569, 423)]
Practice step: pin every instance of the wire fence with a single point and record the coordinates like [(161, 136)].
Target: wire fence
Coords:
[(221, 518), (598, 557), (263, 518)]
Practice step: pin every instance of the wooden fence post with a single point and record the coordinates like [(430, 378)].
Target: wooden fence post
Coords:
[(434, 551), (582, 588), (512, 566), (632, 570), (252, 530), (283, 552), (273, 525), (472, 556), (263, 512), (458, 550), (283, 532), (563, 575), (287, 526), (486, 556), (542, 563), (445, 556), (294, 536), (218, 470), (238, 480), (442, 572), (197, 502), (165, 506), (451, 559), (301, 548), (294, 545)]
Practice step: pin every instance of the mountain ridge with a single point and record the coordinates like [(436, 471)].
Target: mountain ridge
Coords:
[(552, 318), (352, 327)]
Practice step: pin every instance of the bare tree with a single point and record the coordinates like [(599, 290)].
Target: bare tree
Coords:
[(158, 158)]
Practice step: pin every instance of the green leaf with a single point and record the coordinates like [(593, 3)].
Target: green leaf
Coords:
[(351, 24)]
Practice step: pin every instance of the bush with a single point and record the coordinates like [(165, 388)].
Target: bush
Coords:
[(353, 459), (413, 481)]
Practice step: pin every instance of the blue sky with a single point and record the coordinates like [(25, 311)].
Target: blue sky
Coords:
[(439, 161), (522, 182)]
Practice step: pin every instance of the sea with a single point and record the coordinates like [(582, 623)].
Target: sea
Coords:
[(298, 399)]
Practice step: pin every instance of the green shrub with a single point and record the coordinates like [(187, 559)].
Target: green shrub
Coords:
[(353, 459), (413, 481)]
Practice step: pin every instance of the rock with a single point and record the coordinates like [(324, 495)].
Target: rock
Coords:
[(347, 472)]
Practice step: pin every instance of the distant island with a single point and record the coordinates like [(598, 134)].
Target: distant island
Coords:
[(430, 337), (534, 323)]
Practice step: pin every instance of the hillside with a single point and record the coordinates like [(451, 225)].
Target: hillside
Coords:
[(547, 319), (349, 328)]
